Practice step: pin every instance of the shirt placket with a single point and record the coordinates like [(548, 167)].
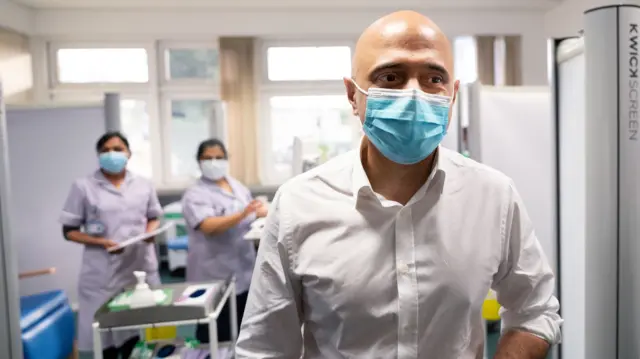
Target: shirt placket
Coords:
[(407, 285)]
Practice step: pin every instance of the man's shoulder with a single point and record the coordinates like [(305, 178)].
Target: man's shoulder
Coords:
[(333, 175), (473, 173)]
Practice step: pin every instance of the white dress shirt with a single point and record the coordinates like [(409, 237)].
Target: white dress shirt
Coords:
[(365, 277)]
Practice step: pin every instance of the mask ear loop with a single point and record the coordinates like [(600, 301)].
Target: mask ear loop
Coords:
[(358, 87)]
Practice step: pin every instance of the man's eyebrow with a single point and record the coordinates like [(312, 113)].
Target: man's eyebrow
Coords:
[(438, 68), (398, 65)]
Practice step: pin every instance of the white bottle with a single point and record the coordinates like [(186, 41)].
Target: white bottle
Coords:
[(142, 295)]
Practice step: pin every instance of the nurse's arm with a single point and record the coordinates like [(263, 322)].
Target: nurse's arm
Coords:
[(217, 225), (75, 235), (202, 216), (152, 225), (272, 321), (525, 285), (154, 211), (73, 218)]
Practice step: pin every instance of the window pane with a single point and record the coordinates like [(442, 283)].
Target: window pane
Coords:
[(193, 64), (465, 59), (308, 63), (134, 119), (82, 66), (190, 124), (326, 120)]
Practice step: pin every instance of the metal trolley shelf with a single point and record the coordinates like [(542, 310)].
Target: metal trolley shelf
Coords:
[(106, 320)]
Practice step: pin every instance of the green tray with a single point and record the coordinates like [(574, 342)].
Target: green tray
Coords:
[(115, 306)]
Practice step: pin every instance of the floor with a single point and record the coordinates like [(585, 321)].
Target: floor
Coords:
[(492, 336)]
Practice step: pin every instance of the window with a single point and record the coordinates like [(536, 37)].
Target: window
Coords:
[(101, 65), (326, 120), (169, 97), (190, 124), (308, 63), (134, 122), (465, 59), (192, 64)]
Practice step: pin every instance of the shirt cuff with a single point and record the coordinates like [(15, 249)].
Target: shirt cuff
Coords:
[(70, 219), (546, 326)]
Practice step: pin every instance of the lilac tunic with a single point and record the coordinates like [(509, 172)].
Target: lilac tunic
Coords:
[(123, 212), (215, 257)]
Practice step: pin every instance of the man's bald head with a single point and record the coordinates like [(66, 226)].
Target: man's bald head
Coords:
[(404, 49), (403, 29)]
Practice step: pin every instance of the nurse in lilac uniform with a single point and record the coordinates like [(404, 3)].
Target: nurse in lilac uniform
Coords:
[(103, 209), (218, 211)]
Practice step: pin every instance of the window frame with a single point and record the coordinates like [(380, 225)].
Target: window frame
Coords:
[(263, 60), (158, 92), (265, 89), (171, 181), (54, 78), (164, 76)]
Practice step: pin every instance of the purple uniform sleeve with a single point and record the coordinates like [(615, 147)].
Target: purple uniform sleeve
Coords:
[(154, 209), (73, 212), (196, 208)]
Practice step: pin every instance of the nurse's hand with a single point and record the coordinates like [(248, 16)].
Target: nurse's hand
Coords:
[(262, 211), (107, 244), (251, 208)]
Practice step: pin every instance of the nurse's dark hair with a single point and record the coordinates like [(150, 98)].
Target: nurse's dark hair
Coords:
[(109, 135), (212, 142)]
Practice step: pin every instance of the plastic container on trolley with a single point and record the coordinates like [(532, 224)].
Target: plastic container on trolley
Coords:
[(184, 304)]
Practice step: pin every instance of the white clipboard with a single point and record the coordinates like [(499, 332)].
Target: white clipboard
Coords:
[(142, 237)]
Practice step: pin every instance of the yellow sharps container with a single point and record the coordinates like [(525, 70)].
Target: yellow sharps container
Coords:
[(161, 333), (491, 308)]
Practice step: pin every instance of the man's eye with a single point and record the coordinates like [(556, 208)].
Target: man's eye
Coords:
[(437, 79), (389, 77)]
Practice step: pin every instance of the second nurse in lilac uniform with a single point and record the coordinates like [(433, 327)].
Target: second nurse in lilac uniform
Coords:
[(218, 211), (104, 208)]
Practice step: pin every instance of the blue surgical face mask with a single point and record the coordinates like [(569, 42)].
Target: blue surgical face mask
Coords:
[(113, 161), (406, 126), (214, 169)]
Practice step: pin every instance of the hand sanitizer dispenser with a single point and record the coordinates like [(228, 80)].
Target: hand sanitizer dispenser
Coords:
[(142, 295)]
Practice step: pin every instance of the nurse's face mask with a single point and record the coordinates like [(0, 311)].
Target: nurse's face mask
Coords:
[(407, 125), (214, 169), (113, 161)]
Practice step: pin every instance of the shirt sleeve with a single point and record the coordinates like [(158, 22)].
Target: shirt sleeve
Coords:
[(272, 321), (73, 212), (525, 282), (154, 209), (195, 208)]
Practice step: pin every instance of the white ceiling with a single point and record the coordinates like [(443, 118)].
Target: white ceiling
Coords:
[(289, 4)]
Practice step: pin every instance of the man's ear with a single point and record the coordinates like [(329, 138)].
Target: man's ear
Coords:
[(456, 88), (454, 98), (351, 94)]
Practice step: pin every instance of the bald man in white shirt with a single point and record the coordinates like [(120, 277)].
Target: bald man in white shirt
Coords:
[(389, 251)]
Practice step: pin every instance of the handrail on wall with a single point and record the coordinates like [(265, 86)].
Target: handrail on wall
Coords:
[(36, 273)]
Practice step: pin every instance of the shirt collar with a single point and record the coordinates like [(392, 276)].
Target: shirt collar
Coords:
[(214, 186), (361, 185), (98, 175)]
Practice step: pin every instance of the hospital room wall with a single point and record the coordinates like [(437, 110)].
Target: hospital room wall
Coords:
[(15, 66)]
